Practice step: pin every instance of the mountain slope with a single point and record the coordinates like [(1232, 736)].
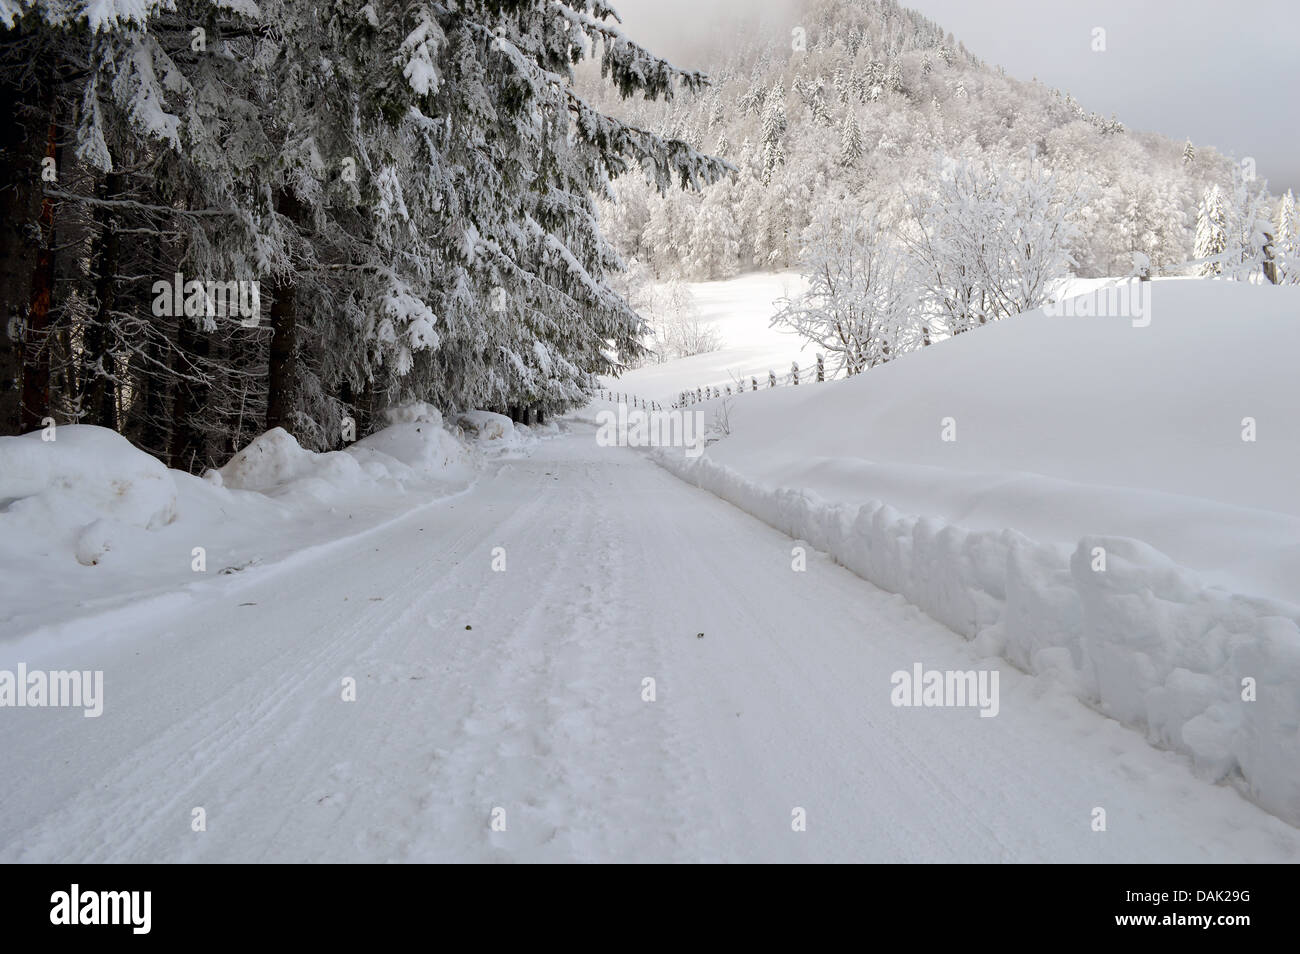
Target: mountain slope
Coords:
[(851, 101)]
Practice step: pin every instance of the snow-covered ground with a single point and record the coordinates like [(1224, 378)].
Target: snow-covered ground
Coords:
[(740, 312), (89, 524), (524, 691), (470, 641), (1106, 502)]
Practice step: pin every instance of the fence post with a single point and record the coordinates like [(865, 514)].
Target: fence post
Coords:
[(821, 369), (794, 371), (771, 379), (754, 384)]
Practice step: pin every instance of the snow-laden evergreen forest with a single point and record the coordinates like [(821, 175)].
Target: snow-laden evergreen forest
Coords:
[(411, 186)]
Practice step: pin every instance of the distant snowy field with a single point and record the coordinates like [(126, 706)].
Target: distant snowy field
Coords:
[(740, 311), (1074, 436)]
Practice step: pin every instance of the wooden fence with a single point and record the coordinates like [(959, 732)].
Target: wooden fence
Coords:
[(813, 374)]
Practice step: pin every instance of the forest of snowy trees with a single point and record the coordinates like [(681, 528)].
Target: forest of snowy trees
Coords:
[(222, 216), (850, 106)]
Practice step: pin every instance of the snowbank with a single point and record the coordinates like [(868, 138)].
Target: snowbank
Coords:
[(88, 523), (80, 489), (413, 447), (1099, 517), (416, 438), (496, 434)]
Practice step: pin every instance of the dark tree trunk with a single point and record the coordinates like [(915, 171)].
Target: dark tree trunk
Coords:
[(189, 446), (24, 117), (36, 343), (152, 433), (99, 394), (145, 421), (282, 369), (280, 373), (1270, 261)]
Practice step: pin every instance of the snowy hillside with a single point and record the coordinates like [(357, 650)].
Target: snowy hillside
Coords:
[(846, 102)]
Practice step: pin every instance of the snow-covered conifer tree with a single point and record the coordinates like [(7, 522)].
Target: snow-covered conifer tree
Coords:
[(1211, 231), (850, 140)]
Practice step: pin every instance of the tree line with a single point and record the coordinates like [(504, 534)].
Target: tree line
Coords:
[(219, 217)]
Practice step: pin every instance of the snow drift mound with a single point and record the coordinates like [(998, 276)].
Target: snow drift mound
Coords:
[(415, 437), (414, 446), (494, 433), (1115, 506), (83, 488), (140, 530), (271, 461)]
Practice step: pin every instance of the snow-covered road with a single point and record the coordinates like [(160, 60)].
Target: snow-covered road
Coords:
[(523, 690)]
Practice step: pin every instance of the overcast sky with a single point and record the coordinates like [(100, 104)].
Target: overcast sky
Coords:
[(1222, 74)]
